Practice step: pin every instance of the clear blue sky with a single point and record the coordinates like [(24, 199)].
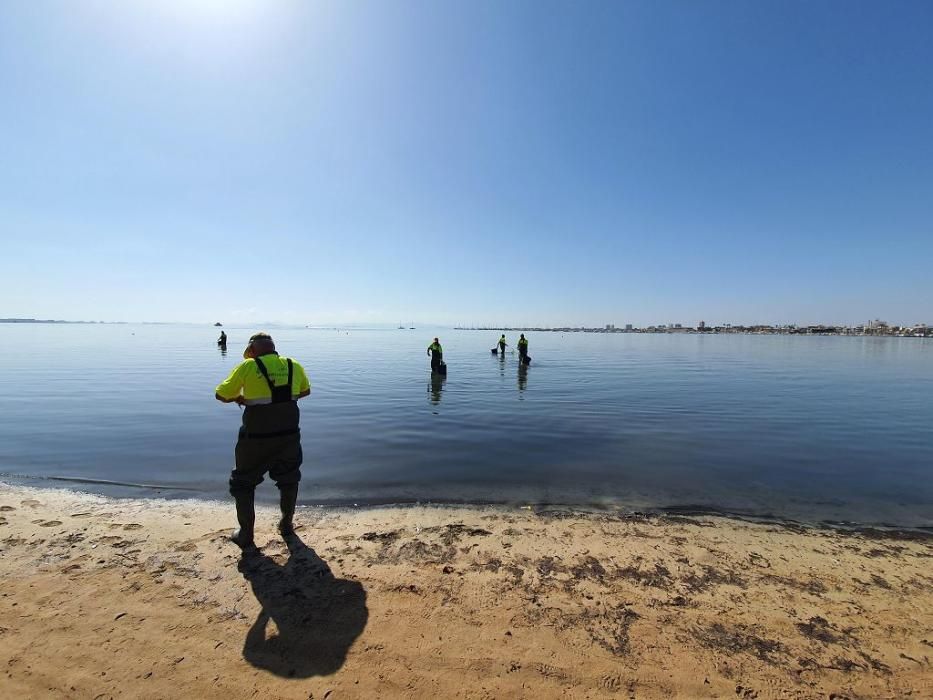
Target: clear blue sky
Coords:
[(509, 162)]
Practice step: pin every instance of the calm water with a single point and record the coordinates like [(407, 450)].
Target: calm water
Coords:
[(812, 428)]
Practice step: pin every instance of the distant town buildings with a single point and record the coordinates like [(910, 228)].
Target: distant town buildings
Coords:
[(876, 327)]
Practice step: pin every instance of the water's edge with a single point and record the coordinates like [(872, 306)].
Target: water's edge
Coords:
[(875, 530), (804, 429)]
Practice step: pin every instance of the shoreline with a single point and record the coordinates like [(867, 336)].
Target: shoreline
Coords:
[(619, 508), (147, 598)]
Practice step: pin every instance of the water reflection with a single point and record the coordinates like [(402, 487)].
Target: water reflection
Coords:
[(522, 378), (223, 349), (862, 437), (436, 387)]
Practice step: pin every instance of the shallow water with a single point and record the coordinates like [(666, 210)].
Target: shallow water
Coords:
[(814, 428)]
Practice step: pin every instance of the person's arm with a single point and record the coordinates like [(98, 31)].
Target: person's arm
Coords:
[(230, 389), (304, 386)]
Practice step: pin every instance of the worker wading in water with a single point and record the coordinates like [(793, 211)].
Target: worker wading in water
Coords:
[(522, 347), (268, 387), (437, 355), (502, 344)]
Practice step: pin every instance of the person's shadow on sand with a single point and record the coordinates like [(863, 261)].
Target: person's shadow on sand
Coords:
[(318, 617)]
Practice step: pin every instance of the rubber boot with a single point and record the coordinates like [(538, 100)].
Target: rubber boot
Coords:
[(246, 517), (288, 497)]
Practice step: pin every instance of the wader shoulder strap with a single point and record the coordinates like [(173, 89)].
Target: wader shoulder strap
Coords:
[(265, 374), (272, 387)]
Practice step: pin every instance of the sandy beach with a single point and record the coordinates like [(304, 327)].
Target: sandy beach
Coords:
[(145, 598)]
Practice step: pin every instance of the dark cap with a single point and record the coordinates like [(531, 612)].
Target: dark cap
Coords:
[(254, 338)]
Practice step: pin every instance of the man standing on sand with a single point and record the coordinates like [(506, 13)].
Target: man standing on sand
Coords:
[(437, 355), (268, 387)]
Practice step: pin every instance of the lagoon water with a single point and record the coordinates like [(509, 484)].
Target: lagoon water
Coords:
[(810, 428)]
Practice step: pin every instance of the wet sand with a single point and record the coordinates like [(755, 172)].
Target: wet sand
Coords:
[(109, 598)]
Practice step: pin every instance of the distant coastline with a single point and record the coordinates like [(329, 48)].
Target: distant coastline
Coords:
[(873, 328), (42, 320)]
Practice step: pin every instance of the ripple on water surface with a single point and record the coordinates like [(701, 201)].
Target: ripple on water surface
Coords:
[(806, 427)]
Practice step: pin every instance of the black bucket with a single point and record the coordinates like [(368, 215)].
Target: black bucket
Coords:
[(441, 369), (526, 360), (494, 351)]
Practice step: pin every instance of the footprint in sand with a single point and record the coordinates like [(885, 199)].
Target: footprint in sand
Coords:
[(50, 523), (132, 526), (31, 502), (611, 683), (6, 508)]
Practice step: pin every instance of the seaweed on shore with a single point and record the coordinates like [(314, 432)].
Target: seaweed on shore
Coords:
[(612, 630), (658, 577), (739, 639), (390, 536), (589, 568), (711, 576), (820, 629), (812, 586), (454, 532)]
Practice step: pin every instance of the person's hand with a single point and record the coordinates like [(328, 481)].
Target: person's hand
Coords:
[(240, 400)]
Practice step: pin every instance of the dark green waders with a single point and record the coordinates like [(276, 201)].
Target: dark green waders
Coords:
[(269, 441)]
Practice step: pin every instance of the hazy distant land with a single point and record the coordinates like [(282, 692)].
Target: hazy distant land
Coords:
[(877, 327), (48, 320)]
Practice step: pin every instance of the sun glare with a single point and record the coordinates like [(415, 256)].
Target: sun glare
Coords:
[(222, 12), (204, 33)]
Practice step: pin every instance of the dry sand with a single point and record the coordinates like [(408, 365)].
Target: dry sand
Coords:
[(144, 598)]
